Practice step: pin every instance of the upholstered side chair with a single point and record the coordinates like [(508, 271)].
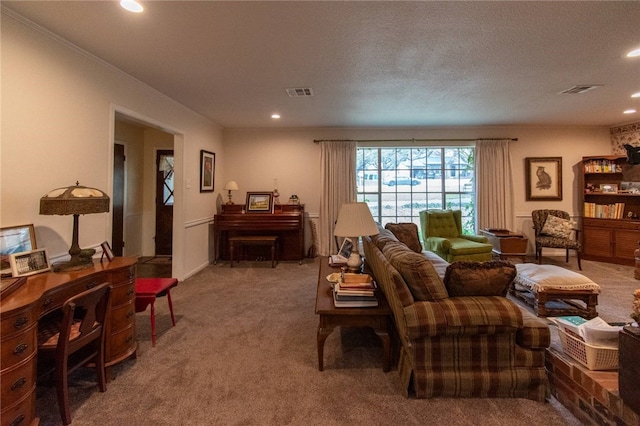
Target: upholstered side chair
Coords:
[(555, 229), (442, 234)]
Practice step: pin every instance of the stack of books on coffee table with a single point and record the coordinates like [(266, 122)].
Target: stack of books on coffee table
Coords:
[(355, 291)]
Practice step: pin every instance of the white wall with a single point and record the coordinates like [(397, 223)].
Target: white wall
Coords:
[(58, 110), (255, 157)]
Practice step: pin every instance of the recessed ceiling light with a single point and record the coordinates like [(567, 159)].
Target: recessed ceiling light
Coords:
[(275, 116), (636, 95), (131, 6), (630, 111), (633, 53)]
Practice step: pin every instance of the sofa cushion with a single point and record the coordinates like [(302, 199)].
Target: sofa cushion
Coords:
[(385, 236), (419, 274), (462, 316), (557, 227), (406, 233), (467, 278), (462, 246)]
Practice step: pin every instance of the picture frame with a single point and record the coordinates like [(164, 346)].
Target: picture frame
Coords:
[(543, 176), (259, 202), (15, 239), (609, 188), (106, 251), (346, 248), (207, 170), (29, 263)]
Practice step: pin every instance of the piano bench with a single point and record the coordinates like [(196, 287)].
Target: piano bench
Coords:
[(254, 240)]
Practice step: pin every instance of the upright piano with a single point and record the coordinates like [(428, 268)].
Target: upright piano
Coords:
[(286, 221)]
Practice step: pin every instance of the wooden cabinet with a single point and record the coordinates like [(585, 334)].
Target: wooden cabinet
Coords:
[(41, 294), (629, 367), (610, 226)]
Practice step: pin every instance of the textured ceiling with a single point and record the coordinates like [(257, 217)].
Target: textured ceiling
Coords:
[(370, 64)]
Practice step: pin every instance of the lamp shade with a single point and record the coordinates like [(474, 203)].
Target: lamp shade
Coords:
[(231, 186), (74, 200), (355, 220)]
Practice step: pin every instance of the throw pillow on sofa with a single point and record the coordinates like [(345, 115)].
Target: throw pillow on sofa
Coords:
[(468, 278), (421, 277), (406, 233), (557, 227)]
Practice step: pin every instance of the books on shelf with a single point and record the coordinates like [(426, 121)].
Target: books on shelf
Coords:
[(602, 165), (604, 211)]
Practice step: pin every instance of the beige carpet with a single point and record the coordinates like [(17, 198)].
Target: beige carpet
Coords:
[(243, 352)]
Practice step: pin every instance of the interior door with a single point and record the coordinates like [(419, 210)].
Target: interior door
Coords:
[(164, 202), (117, 220)]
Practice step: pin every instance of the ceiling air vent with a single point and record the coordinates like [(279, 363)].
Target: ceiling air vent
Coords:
[(297, 92), (583, 88)]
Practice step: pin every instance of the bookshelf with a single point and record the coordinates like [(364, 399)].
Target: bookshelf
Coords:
[(611, 209)]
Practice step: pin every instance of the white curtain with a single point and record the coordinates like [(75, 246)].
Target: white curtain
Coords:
[(338, 174), (494, 189)]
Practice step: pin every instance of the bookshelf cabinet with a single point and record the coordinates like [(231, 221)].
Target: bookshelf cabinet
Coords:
[(611, 214)]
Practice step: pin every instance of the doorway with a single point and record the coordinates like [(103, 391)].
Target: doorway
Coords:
[(164, 202)]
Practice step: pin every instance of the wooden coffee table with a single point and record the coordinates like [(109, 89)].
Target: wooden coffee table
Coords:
[(378, 318)]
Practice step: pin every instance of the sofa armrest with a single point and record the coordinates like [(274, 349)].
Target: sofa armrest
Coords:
[(535, 334), (462, 315), (475, 238), (437, 244)]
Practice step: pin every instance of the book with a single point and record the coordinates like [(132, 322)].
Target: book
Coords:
[(349, 291), (350, 302)]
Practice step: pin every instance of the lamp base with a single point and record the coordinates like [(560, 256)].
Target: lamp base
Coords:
[(354, 263), (78, 262)]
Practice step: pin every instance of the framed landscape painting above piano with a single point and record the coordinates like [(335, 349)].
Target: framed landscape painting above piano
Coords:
[(259, 202)]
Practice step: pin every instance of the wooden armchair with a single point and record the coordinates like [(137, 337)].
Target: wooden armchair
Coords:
[(442, 234), (557, 232)]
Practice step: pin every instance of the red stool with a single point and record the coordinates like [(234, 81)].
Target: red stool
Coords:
[(147, 290)]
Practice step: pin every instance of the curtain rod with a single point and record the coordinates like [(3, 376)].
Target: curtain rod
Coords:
[(413, 140)]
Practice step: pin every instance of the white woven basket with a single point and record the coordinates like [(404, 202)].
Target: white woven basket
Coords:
[(592, 357)]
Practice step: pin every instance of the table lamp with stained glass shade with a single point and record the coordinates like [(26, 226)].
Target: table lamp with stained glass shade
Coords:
[(354, 221), (75, 200)]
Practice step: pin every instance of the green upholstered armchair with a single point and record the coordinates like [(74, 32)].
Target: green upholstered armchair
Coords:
[(442, 234)]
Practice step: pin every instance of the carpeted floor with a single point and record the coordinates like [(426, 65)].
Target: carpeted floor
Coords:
[(243, 352)]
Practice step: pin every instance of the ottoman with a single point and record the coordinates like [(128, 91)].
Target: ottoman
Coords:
[(555, 291)]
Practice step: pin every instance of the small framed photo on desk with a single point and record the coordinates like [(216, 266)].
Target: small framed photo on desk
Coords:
[(29, 263), (106, 251)]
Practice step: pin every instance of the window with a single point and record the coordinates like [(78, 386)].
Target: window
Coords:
[(398, 183)]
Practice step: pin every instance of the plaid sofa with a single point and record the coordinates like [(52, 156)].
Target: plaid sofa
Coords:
[(463, 346)]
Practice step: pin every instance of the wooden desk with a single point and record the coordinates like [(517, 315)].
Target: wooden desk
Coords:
[(41, 294), (287, 223), (378, 318), (506, 243)]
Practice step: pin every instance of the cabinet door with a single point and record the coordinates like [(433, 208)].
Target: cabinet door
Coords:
[(597, 241), (626, 243)]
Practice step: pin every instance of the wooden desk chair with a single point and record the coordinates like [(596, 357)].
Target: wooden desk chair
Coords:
[(77, 340), (147, 290)]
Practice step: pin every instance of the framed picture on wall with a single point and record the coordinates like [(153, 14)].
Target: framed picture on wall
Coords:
[(259, 202), (543, 178), (207, 170)]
